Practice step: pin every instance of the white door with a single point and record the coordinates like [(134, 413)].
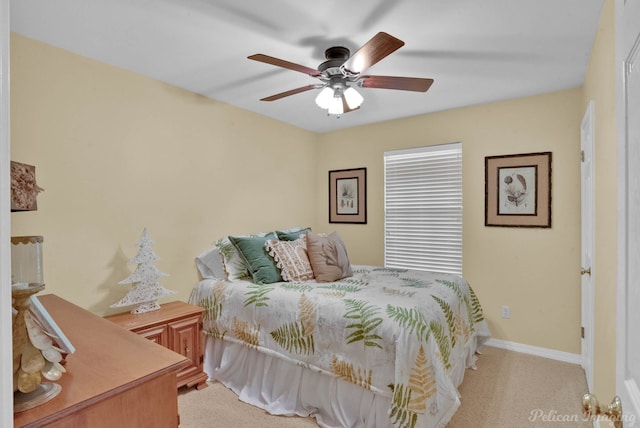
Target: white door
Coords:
[(628, 287), (6, 357), (586, 147)]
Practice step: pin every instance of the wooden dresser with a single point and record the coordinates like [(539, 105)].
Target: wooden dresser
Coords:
[(177, 326), (114, 379)]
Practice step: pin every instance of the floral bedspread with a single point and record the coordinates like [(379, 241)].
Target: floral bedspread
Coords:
[(404, 334)]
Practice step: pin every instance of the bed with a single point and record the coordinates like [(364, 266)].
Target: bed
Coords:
[(376, 347)]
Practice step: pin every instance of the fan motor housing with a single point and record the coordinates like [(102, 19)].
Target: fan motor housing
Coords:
[(336, 56)]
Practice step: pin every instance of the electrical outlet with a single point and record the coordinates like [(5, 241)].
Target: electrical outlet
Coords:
[(506, 312)]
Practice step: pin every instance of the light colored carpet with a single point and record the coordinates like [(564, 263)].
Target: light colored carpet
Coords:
[(509, 389)]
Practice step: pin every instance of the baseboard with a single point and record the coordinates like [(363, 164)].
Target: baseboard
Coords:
[(567, 357)]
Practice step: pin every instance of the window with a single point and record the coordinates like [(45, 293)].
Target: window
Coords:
[(423, 208)]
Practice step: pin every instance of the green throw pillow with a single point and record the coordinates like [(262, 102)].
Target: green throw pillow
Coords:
[(292, 234), (253, 251)]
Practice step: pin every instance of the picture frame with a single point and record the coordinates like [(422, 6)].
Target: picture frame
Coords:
[(348, 196), (518, 190), (24, 189)]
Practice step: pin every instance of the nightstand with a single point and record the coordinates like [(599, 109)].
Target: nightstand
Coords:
[(177, 326)]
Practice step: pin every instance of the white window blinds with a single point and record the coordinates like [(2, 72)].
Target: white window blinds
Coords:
[(423, 208)]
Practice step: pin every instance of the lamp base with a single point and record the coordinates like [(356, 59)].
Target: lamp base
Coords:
[(44, 392)]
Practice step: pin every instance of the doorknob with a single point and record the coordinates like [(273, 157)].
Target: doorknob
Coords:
[(592, 409), (587, 271)]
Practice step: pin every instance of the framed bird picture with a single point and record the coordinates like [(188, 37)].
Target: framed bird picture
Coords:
[(518, 190)]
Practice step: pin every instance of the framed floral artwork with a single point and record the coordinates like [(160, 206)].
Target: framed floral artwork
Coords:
[(518, 190), (24, 189), (348, 196)]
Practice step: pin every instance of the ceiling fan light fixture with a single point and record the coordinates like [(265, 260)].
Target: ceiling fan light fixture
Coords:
[(353, 98), (324, 98), (341, 70), (336, 106)]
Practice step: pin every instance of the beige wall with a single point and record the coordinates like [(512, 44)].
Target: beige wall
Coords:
[(600, 86), (117, 152), (535, 271)]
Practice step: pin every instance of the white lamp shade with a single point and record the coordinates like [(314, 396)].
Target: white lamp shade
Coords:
[(336, 106), (324, 97), (353, 97)]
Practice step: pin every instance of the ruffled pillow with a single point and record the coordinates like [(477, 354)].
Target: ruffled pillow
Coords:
[(291, 258)]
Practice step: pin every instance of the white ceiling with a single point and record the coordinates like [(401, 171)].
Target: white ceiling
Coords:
[(477, 51)]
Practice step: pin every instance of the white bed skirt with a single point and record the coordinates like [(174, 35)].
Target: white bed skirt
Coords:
[(283, 388)]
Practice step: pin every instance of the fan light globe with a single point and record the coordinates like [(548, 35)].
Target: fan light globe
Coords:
[(336, 106), (353, 97), (323, 100)]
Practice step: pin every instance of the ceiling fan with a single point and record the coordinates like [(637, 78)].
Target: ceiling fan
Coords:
[(342, 71)]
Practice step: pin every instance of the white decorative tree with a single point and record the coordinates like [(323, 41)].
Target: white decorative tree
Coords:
[(146, 289)]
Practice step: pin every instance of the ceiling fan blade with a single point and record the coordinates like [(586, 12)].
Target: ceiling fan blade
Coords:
[(415, 84), (380, 45), (291, 92), (345, 106), (285, 64)]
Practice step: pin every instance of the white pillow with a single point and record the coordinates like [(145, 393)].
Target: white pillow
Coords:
[(210, 265)]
